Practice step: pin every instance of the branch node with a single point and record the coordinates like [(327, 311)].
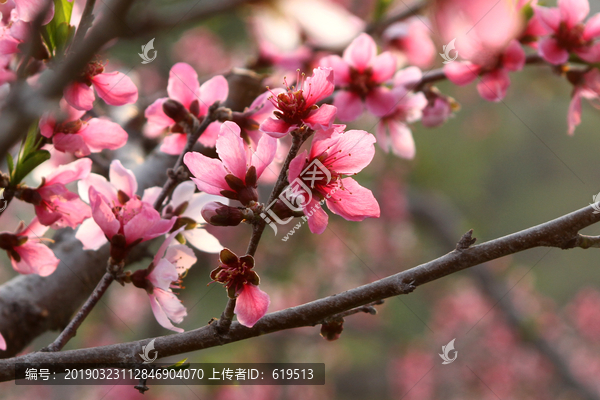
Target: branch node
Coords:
[(466, 241), (406, 288)]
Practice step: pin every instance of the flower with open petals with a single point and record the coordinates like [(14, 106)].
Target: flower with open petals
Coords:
[(585, 85), (236, 174), (82, 137), (163, 275), (297, 106), (241, 282), (338, 153), (115, 88), (567, 32), (26, 252), (119, 215), (184, 87), (360, 75), (55, 205)]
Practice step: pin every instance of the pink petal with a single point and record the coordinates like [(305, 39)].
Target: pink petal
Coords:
[(317, 217), (230, 147), (408, 78), (181, 256), (183, 84), (2, 343), (91, 235), (103, 215), (174, 144), (28, 10), (590, 54), (214, 89), (79, 96), (381, 101), (513, 58), (341, 70), (71, 172), (115, 88), (493, 85), (69, 143), (182, 193), (276, 128), (122, 178), (265, 153), (164, 273), (297, 165), (573, 11), (157, 119), (322, 118), (318, 86), (9, 45), (592, 28), (160, 227), (353, 202), (251, 305), (101, 185), (574, 115), (36, 258), (461, 73), (550, 50), (351, 153), (549, 18), (382, 135), (100, 134), (349, 105), (202, 240), (384, 67), (151, 194), (401, 140), (361, 52), (209, 173), (160, 314), (210, 135)]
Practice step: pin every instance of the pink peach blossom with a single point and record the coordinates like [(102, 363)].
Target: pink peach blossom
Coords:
[(360, 75), (236, 174), (163, 275), (341, 153), (118, 211), (241, 282), (54, 204), (587, 86), (26, 252), (115, 88), (412, 39), (28, 10), (494, 81), (408, 108), (567, 32), (184, 87), (298, 105), (82, 137)]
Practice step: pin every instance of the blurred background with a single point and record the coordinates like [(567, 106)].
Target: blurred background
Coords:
[(526, 326)]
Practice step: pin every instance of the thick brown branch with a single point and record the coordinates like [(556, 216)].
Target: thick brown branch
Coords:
[(553, 233)]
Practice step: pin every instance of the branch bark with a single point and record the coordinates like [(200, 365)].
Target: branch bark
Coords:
[(555, 233)]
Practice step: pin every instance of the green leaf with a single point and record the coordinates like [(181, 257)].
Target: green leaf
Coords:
[(11, 163), (28, 164), (57, 33), (180, 365), (381, 8)]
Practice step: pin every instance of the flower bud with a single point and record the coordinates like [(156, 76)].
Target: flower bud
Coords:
[(219, 214), (176, 111)]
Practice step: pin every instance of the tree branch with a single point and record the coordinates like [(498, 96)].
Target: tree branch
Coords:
[(554, 233)]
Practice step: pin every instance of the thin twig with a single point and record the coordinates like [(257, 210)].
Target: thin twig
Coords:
[(197, 129), (71, 329), (87, 18)]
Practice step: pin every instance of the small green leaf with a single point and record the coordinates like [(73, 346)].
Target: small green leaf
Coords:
[(381, 8), (57, 33), (11, 163), (28, 164), (180, 365)]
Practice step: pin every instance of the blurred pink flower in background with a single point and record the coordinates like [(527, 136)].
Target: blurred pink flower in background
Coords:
[(586, 85), (407, 108), (568, 33), (411, 41), (2, 342), (26, 252), (342, 153), (185, 88), (359, 76), (584, 310), (213, 59)]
